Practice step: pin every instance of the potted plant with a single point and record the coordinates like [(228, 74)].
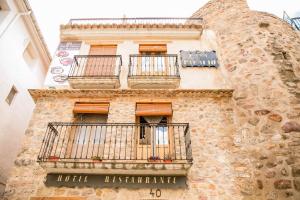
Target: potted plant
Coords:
[(168, 159), (96, 159), (154, 159), (53, 158)]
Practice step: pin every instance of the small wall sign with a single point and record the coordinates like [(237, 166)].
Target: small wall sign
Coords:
[(112, 181), (199, 59)]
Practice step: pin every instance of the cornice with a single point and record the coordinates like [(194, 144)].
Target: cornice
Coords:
[(96, 93)]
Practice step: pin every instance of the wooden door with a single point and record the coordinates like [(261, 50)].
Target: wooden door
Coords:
[(102, 65), (87, 141), (153, 62), (157, 141)]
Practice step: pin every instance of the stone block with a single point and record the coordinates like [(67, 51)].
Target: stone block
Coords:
[(297, 184), (275, 117), (262, 112), (290, 127), (283, 184), (270, 174), (296, 171)]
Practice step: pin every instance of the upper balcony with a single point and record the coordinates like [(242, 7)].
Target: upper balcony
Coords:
[(141, 22), (153, 71), (294, 22), (95, 71), (88, 28), (154, 148)]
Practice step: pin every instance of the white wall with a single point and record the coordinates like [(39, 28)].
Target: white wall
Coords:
[(15, 71), (191, 77)]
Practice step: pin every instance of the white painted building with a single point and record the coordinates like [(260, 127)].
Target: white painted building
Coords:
[(24, 63)]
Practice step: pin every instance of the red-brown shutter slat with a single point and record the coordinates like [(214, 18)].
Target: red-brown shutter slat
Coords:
[(153, 48), (92, 108), (153, 109)]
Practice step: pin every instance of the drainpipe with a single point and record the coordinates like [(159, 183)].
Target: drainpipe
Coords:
[(16, 17)]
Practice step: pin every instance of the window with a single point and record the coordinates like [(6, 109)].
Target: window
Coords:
[(29, 55), (154, 137), (4, 10), (153, 60), (11, 95), (92, 133), (157, 132)]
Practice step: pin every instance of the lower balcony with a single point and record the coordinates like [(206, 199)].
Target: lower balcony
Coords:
[(95, 72), (116, 148), (153, 72)]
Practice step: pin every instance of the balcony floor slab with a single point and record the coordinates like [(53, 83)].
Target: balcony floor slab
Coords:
[(153, 82), (118, 168), (94, 83)]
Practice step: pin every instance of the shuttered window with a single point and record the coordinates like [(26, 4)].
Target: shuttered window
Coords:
[(90, 107), (103, 65), (152, 48), (153, 109)]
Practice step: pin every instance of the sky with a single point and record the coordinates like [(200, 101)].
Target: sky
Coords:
[(50, 14)]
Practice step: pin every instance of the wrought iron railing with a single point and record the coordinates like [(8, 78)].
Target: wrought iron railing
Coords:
[(96, 66), (141, 20), (153, 65), (138, 143), (294, 22)]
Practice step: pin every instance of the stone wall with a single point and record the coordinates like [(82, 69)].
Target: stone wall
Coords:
[(210, 177), (260, 55)]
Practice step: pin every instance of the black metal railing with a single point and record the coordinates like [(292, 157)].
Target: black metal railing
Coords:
[(141, 143), (294, 22), (96, 66), (140, 20), (153, 65)]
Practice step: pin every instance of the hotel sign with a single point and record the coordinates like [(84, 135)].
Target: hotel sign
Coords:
[(199, 59), (109, 181), (61, 64)]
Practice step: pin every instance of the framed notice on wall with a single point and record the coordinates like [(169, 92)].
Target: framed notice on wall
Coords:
[(199, 58)]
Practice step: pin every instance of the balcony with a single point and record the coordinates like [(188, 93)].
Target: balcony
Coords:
[(142, 22), (294, 22), (116, 148), (95, 72), (153, 71)]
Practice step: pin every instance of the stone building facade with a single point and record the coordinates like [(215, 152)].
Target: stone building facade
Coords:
[(243, 116)]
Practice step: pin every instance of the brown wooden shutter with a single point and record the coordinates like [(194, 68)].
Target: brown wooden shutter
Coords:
[(144, 48), (103, 50), (90, 107), (153, 109), (101, 66)]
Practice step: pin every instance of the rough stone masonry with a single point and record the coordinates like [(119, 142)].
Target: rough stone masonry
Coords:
[(261, 54)]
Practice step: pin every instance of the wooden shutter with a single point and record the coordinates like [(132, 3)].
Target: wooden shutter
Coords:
[(151, 48), (90, 107), (154, 109), (101, 66), (103, 50)]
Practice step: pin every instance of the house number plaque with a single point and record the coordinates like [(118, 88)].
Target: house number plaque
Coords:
[(111, 181)]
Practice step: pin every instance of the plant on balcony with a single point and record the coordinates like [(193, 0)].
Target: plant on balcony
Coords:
[(168, 159), (53, 158), (96, 159), (154, 159)]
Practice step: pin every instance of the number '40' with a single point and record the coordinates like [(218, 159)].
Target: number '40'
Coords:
[(155, 193)]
